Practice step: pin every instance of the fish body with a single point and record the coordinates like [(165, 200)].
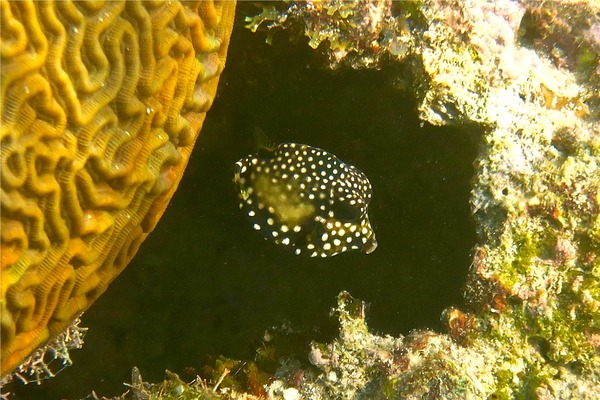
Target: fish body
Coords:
[(306, 199)]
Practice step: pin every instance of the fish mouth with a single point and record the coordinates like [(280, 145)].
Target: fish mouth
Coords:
[(372, 246)]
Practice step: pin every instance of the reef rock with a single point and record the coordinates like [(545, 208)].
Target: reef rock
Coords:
[(529, 75)]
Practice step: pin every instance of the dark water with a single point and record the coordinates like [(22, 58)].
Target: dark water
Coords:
[(206, 283)]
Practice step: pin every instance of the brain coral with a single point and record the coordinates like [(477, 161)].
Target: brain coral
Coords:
[(101, 104)]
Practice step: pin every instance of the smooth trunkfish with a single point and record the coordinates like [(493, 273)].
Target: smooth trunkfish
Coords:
[(306, 199)]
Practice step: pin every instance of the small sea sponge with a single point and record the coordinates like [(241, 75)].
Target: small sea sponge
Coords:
[(101, 102)]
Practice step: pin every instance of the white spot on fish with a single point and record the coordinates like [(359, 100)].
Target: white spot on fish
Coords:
[(293, 192)]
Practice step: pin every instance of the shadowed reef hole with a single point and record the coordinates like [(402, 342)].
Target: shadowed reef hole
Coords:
[(205, 282)]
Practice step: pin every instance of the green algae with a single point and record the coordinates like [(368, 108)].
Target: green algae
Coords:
[(171, 388)]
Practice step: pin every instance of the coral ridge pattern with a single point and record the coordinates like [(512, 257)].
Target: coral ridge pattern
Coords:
[(101, 104)]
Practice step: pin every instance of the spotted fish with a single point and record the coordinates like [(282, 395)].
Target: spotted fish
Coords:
[(306, 199)]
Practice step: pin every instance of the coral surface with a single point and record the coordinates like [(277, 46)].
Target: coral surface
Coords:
[(101, 105), (359, 34)]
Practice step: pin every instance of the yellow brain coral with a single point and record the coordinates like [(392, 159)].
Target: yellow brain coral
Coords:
[(101, 104)]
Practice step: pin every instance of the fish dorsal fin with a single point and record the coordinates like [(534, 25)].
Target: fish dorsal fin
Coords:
[(264, 144)]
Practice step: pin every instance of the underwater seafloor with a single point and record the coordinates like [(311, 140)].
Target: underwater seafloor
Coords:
[(206, 284)]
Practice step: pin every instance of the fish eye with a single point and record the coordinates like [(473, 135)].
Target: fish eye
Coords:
[(345, 212)]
